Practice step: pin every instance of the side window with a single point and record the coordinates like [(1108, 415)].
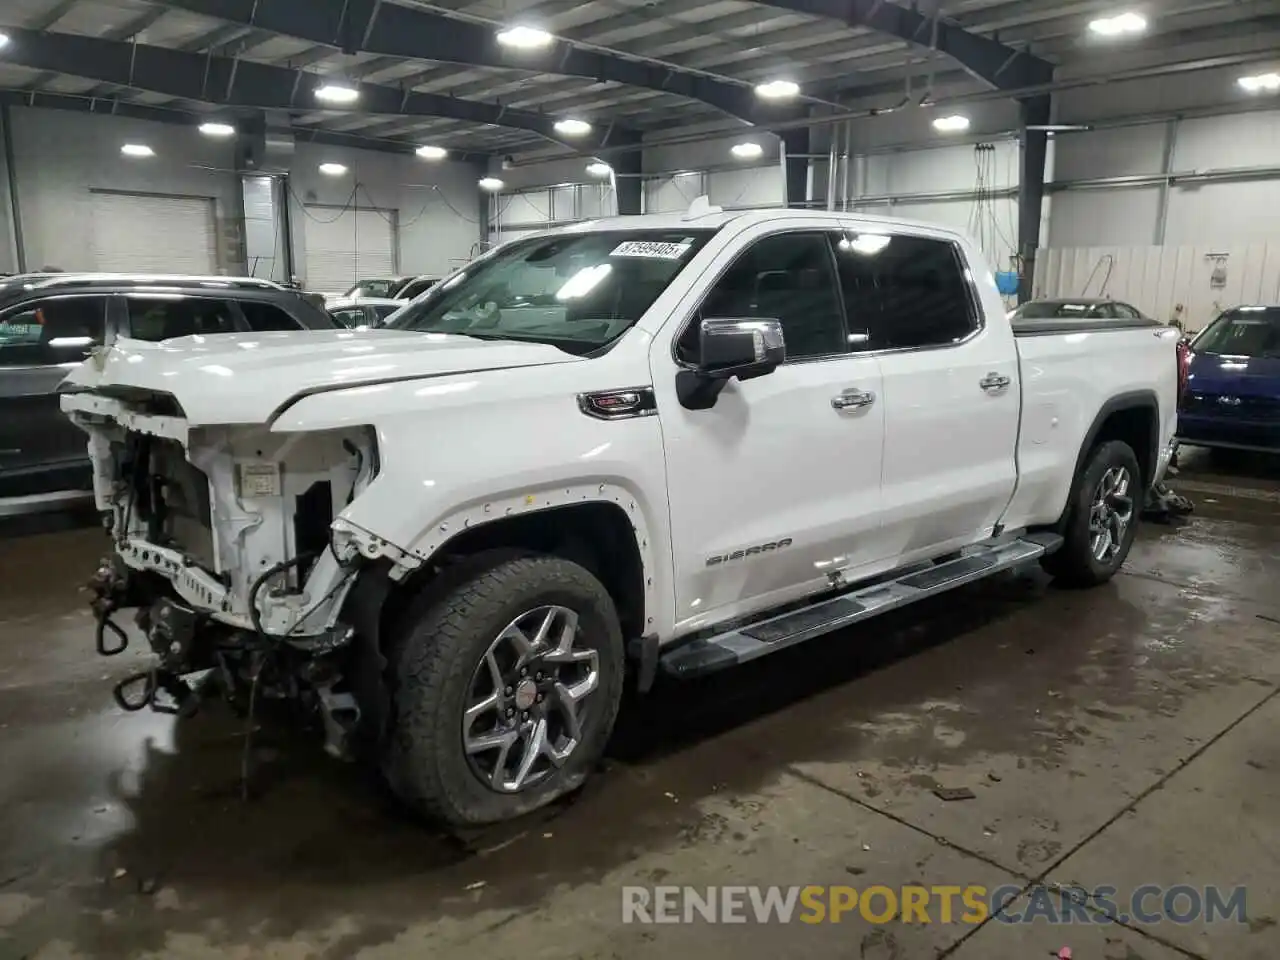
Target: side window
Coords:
[(903, 292), (57, 330), (787, 277), (384, 310), (163, 318), (349, 317), (1126, 312), (267, 316)]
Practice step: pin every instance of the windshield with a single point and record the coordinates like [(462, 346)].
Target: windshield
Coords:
[(574, 291), (1244, 332)]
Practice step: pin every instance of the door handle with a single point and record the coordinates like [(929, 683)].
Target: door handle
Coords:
[(994, 382), (853, 398)]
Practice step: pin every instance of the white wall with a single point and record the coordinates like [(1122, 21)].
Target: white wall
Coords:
[(675, 175), (60, 157), (435, 203)]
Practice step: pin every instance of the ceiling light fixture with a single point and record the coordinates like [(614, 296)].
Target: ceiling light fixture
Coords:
[(4, 39), (431, 152), (524, 38), (137, 150), (572, 127), (748, 150), (599, 169), (337, 93), (491, 183), (953, 124), (1121, 25), (333, 169), (1261, 83), (778, 89), (217, 129)]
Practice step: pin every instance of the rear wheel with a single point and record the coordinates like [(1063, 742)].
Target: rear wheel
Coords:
[(1102, 517), (507, 688)]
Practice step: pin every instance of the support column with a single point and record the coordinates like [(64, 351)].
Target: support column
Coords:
[(627, 182), (795, 166), (14, 217), (1035, 146), (484, 211)]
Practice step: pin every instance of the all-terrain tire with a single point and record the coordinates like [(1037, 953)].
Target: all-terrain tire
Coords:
[(434, 658), (1074, 564)]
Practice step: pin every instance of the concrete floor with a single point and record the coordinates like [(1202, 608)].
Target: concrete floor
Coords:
[(1121, 736)]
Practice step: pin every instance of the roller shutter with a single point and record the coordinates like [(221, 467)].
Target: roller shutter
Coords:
[(144, 233), (345, 246)]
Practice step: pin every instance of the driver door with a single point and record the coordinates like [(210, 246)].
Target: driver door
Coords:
[(776, 486)]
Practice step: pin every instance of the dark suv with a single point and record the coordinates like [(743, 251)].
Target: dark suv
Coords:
[(50, 323)]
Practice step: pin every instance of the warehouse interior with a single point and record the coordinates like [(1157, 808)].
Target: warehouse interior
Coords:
[(1010, 735)]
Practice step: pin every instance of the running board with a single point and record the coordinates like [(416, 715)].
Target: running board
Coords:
[(702, 656)]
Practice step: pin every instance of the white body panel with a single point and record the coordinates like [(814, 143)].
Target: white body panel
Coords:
[(468, 432)]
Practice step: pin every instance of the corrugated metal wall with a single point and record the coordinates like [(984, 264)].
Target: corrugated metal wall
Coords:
[(1158, 279)]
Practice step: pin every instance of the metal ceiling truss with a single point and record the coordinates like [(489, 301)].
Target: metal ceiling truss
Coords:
[(410, 33), (186, 118), (993, 62), (244, 84)]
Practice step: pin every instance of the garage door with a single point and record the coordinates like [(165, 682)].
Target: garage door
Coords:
[(140, 233), (345, 246)]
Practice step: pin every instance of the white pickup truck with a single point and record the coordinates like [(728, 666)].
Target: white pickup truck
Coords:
[(665, 443)]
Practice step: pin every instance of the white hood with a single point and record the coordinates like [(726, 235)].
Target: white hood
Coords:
[(247, 377)]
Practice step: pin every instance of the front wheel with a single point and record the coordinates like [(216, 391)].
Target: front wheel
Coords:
[(1102, 518), (507, 688)]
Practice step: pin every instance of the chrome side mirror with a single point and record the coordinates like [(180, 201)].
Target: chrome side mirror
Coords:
[(729, 348), (740, 348)]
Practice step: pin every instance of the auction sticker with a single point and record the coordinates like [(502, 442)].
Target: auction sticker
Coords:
[(650, 249)]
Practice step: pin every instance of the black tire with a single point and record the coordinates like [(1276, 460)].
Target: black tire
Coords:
[(1075, 564), (433, 662)]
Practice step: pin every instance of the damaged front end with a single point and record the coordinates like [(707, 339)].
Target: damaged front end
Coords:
[(224, 543)]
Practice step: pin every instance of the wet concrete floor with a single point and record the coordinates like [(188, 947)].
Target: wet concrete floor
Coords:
[(1123, 736)]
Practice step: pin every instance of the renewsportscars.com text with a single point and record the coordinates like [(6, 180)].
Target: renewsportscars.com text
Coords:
[(877, 904)]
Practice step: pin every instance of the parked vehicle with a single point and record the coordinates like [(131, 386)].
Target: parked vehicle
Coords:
[(416, 287), (1078, 308), (363, 313), (385, 287), (49, 323), (1232, 395), (645, 444)]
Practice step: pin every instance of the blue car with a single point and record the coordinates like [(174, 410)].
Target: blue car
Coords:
[(1231, 398)]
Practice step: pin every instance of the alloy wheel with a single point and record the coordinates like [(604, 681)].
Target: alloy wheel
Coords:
[(525, 703), (1110, 515)]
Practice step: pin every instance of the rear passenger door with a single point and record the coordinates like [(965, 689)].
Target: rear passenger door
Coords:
[(951, 389), (40, 341)]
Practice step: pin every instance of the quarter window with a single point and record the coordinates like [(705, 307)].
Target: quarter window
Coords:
[(787, 277), (903, 292), (350, 317), (267, 316), (57, 330)]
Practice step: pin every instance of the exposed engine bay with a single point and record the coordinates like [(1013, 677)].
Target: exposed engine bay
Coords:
[(223, 545)]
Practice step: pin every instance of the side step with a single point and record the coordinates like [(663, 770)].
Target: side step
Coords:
[(702, 656)]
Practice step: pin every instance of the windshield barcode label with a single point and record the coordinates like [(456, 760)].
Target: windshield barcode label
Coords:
[(650, 249)]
